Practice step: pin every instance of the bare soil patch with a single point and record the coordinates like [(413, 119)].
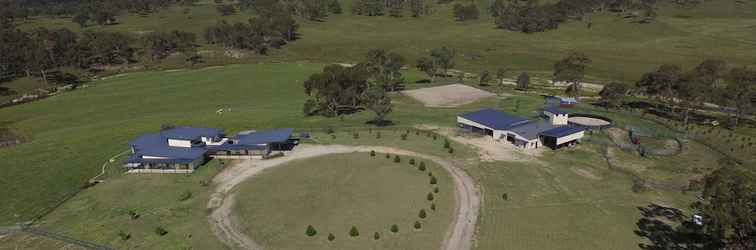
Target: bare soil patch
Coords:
[(452, 95), (489, 150), (588, 121)]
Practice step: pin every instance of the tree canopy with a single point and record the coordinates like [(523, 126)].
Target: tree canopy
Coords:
[(727, 210), (571, 69)]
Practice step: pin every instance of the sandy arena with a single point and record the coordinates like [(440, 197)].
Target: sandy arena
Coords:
[(452, 95), (588, 121)]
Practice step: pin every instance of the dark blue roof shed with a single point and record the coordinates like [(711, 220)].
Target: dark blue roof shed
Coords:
[(562, 131), (494, 119), (265, 137), (555, 110), (531, 130), (191, 133)]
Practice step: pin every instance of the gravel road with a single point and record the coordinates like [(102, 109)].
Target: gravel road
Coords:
[(459, 236)]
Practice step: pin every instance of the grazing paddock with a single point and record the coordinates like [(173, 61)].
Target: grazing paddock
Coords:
[(335, 192), (570, 201), (451, 95)]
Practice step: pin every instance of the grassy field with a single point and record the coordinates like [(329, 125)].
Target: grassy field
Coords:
[(174, 202), (70, 135), (569, 201), (620, 50), (334, 193)]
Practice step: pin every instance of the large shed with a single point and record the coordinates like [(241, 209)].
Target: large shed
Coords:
[(553, 133)]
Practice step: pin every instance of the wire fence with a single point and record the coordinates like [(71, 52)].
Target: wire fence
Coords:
[(65, 238)]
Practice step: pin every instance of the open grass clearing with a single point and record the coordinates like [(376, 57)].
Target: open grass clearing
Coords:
[(175, 202), (572, 201), (335, 192)]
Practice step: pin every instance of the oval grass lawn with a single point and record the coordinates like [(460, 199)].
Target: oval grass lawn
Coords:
[(335, 192)]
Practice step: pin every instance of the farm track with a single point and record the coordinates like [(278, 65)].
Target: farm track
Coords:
[(459, 236)]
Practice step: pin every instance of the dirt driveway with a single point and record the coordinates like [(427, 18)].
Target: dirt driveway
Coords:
[(489, 150), (459, 236)]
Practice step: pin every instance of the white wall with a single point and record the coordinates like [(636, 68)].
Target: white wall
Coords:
[(179, 143), (557, 119), (572, 137), (153, 157), (209, 141), (497, 134), (471, 123)]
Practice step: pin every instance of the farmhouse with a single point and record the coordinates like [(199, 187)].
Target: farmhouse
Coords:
[(554, 132), (183, 149)]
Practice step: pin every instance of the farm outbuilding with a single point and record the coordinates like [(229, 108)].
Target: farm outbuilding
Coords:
[(565, 102), (520, 131)]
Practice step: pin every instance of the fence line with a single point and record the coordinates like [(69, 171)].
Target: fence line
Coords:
[(64, 238)]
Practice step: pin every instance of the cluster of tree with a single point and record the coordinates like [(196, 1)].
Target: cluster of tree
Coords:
[(529, 16), (347, 89), (42, 50), (465, 12), (711, 81), (571, 69), (226, 9), (270, 30), (315, 10), (71, 7), (102, 12), (394, 8), (724, 215), (683, 92), (159, 45), (439, 62)]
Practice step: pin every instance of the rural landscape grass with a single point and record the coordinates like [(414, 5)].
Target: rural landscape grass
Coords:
[(621, 51), (333, 193), (572, 198), (175, 203)]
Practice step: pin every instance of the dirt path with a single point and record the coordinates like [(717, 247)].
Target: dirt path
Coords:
[(459, 236), (489, 150)]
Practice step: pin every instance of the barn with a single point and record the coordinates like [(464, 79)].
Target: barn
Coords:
[(553, 132)]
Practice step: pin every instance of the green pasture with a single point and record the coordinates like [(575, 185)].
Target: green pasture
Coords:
[(570, 200), (175, 203), (333, 193), (620, 50)]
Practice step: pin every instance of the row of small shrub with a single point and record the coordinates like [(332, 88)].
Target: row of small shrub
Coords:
[(354, 232)]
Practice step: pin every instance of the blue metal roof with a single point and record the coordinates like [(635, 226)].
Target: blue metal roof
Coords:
[(531, 130), (264, 137), (555, 110), (494, 119), (563, 100), (191, 133), (156, 145), (562, 131)]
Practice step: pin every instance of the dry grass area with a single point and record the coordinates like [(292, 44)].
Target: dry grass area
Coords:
[(451, 95)]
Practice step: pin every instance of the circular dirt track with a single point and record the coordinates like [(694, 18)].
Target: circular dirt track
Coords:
[(459, 236)]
